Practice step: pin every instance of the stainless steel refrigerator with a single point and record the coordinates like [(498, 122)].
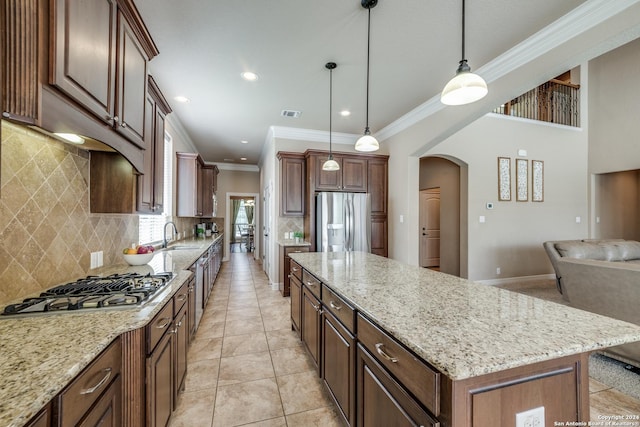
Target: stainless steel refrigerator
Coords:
[(343, 222)]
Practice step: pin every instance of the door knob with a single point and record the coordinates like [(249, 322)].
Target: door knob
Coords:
[(425, 234)]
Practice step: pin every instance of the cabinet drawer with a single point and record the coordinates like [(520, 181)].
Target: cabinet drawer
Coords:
[(296, 270), (180, 297), (295, 249), (417, 377), (311, 283), (160, 324), (339, 308), (81, 394)]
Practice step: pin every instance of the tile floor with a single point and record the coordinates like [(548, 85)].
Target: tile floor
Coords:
[(246, 367)]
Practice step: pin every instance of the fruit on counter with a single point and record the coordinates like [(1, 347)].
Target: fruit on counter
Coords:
[(138, 249)]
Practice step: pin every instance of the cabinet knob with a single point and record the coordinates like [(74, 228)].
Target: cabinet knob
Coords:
[(123, 124), (115, 119)]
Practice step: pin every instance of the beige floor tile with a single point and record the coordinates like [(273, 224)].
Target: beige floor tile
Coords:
[(274, 322), (244, 344), (239, 314), (248, 402), (291, 360), (208, 330), (612, 402), (246, 367), (596, 386), (244, 326), (274, 422), (241, 305), (302, 392), (283, 338), (201, 375), (205, 348), (195, 409), (323, 417)]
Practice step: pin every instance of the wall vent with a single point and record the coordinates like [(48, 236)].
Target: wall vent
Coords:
[(291, 113)]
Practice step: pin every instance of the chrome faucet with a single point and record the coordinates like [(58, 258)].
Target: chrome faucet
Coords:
[(164, 232)]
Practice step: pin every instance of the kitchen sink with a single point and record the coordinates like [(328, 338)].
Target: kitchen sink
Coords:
[(182, 247)]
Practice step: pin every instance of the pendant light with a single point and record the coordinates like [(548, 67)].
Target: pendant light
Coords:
[(368, 142), (330, 164), (465, 87)]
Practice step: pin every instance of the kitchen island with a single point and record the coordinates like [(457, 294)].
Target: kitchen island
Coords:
[(490, 353), (41, 354)]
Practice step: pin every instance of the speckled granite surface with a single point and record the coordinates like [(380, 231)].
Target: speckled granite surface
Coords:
[(464, 329), (293, 243), (41, 354)]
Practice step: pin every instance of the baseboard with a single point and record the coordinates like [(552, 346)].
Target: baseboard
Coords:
[(275, 286), (521, 279)]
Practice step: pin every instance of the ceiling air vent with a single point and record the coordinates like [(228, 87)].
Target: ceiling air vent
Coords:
[(291, 113)]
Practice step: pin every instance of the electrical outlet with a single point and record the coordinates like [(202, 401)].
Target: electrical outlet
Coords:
[(498, 270), (531, 418), (96, 259)]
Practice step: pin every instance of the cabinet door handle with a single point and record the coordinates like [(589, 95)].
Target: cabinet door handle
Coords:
[(294, 269), (381, 352), (334, 306), (181, 297), (311, 284), (315, 307), (289, 276), (100, 383), (167, 322)]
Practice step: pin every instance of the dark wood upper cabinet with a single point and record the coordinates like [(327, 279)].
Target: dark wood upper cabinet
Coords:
[(83, 61), (378, 179), (131, 87), (354, 174), (292, 183), (78, 67), (195, 186), (151, 184)]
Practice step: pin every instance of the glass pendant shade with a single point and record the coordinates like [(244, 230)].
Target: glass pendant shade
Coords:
[(367, 143), (330, 165), (464, 88)]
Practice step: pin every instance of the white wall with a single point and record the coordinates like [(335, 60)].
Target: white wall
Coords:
[(512, 236)]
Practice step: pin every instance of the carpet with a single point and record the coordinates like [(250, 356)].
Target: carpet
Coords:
[(616, 374)]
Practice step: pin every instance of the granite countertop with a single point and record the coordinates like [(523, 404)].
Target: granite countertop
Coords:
[(293, 243), (41, 354), (462, 328)]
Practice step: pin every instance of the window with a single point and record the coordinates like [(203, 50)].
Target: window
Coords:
[(151, 227)]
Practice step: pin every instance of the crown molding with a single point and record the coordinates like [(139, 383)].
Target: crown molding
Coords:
[(235, 167), (312, 135), (569, 26)]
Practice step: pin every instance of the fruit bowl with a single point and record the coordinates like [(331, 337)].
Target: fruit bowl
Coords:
[(138, 259)]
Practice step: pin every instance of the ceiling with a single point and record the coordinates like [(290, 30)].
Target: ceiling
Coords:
[(415, 48)]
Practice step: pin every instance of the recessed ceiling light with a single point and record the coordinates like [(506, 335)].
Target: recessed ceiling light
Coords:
[(182, 99), (243, 158), (71, 137), (345, 113), (244, 141), (248, 75)]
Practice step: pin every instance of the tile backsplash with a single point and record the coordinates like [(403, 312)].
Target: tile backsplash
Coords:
[(46, 230)]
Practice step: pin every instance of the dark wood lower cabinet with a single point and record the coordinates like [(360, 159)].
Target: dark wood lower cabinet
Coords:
[(107, 412), (181, 340), (160, 382), (311, 324), (338, 365), (296, 303), (381, 401), (42, 418)]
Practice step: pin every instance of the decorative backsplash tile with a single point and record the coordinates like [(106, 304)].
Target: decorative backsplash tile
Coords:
[(46, 230), (287, 224)]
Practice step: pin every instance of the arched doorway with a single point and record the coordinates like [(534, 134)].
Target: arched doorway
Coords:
[(443, 215)]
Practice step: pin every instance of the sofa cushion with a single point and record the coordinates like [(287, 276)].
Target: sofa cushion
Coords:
[(581, 250), (629, 250), (611, 252)]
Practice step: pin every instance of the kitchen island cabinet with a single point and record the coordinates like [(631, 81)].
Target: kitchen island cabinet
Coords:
[(434, 349)]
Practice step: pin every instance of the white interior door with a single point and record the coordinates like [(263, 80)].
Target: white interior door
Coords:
[(266, 231), (430, 227)]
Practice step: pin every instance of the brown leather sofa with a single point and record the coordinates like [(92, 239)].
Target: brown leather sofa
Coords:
[(601, 276)]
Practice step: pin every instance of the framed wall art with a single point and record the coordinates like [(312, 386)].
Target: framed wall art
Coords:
[(537, 180), (504, 178), (522, 182)]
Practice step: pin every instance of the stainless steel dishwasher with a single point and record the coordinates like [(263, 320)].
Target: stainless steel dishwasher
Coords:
[(198, 270)]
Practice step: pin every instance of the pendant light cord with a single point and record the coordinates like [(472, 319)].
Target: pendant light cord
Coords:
[(368, 55), (463, 30), (330, 108)]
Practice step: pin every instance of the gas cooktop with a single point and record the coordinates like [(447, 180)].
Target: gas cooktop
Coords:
[(94, 292)]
